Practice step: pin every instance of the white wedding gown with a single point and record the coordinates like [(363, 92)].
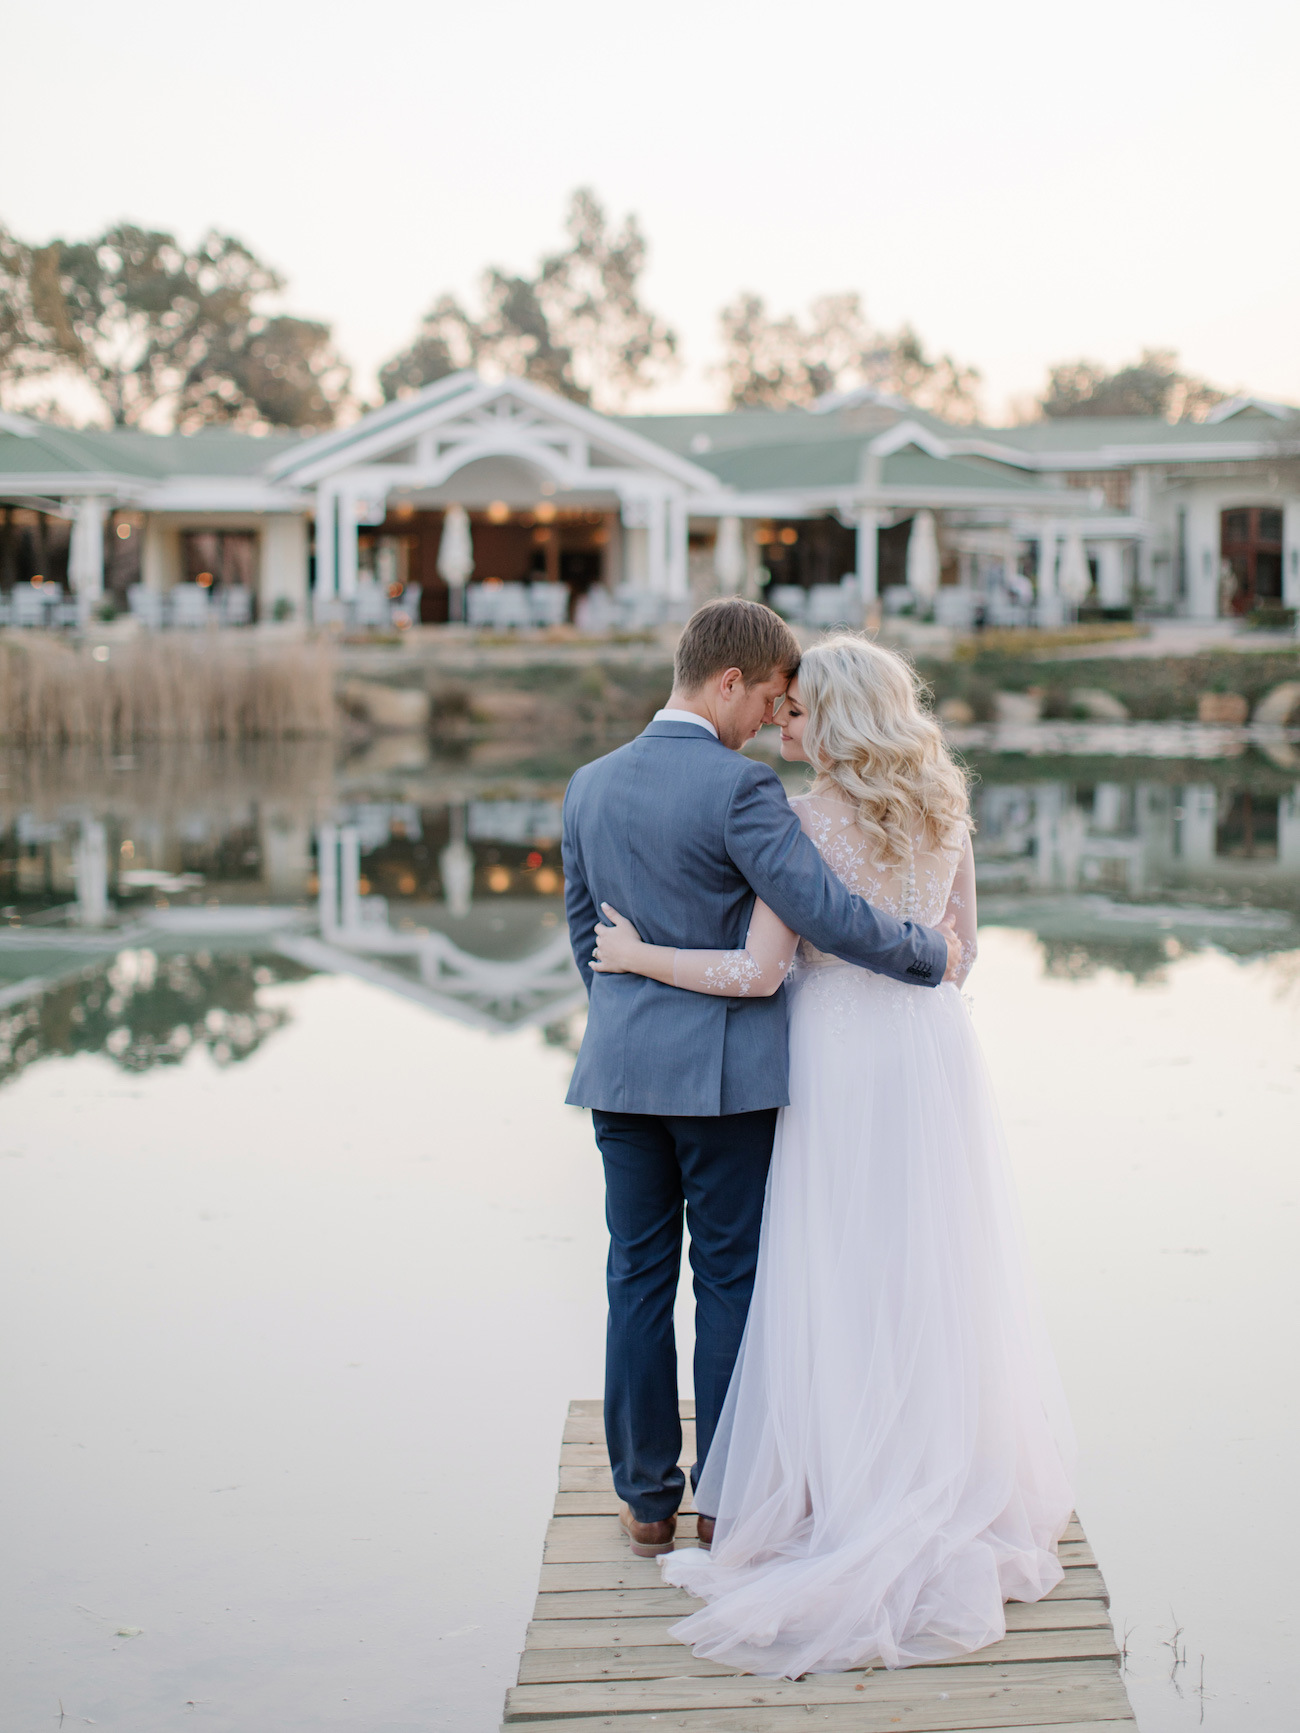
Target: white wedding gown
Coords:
[(891, 1461)]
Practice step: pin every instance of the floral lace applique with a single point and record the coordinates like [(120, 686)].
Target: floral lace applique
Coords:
[(734, 976)]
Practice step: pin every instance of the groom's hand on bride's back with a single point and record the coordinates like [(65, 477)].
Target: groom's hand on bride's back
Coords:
[(947, 931)]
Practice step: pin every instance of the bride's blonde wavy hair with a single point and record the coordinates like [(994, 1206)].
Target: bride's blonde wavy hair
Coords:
[(870, 742)]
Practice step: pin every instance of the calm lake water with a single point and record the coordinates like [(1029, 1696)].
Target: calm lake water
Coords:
[(302, 1253)]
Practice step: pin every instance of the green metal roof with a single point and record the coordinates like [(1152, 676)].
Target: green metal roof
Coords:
[(1079, 433), (78, 452)]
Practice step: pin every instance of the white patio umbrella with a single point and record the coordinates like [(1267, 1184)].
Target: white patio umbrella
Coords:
[(456, 551), (729, 556), (923, 557), (1074, 580)]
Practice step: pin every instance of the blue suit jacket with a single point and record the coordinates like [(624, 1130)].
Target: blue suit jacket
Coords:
[(678, 833)]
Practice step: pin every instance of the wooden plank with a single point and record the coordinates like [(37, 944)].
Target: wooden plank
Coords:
[(1082, 1582), (836, 1719), (590, 1429), (658, 1603), (596, 1405), (588, 1490), (931, 1699), (606, 1504), (608, 1622), (670, 1660), (595, 1455), (599, 1539)]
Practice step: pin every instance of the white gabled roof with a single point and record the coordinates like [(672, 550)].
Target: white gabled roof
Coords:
[(464, 398)]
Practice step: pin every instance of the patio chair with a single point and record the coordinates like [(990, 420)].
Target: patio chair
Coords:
[(236, 605), (790, 601), (190, 607), (146, 606), (834, 605), (28, 607), (327, 610), (369, 607), (548, 604)]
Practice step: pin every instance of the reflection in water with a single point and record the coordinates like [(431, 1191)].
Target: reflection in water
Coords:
[(144, 1010), (440, 879)]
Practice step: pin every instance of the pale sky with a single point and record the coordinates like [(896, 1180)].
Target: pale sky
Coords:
[(1023, 182)]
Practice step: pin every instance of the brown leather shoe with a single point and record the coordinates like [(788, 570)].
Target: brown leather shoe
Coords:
[(704, 1528), (648, 1539)]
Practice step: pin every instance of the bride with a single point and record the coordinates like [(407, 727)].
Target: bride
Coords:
[(890, 1464)]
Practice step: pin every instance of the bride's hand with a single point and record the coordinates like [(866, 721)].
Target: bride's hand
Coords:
[(616, 944)]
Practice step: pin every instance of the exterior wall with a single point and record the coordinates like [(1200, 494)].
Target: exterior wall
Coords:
[(283, 574), (1204, 502), (160, 566)]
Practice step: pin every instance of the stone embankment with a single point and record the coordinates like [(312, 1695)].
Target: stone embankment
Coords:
[(466, 686)]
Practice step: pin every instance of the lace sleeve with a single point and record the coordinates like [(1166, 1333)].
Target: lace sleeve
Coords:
[(961, 910), (756, 972)]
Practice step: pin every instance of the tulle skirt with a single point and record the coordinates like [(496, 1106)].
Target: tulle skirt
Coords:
[(893, 1459)]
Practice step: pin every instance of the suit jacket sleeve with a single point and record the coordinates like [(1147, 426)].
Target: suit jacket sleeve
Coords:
[(579, 904), (767, 843)]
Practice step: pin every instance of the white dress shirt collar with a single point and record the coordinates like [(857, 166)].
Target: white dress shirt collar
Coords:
[(685, 716)]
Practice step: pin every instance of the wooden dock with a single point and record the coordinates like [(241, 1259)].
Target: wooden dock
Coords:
[(599, 1655)]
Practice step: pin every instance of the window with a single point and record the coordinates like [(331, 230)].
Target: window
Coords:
[(220, 559)]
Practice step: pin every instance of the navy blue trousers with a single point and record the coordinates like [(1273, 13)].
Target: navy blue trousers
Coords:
[(657, 1167)]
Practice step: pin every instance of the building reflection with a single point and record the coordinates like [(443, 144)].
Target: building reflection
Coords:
[(143, 908)]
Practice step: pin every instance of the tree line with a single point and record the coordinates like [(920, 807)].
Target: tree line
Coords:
[(134, 328)]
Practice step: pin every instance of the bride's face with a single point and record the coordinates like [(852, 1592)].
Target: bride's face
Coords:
[(793, 719)]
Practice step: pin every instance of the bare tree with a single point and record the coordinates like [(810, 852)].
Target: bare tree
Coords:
[(576, 325), (1153, 385), (775, 363), (163, 336)]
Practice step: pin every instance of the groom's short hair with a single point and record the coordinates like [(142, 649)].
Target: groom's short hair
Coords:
[(733, 633)]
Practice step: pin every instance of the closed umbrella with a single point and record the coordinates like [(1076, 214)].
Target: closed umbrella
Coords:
[(729, 556), (1075, 580), (456, 551), (923, 557)]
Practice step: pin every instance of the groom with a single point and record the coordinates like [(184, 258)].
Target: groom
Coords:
[(679, 831)]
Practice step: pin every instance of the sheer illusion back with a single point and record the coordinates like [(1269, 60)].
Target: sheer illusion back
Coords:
[(930, 886)]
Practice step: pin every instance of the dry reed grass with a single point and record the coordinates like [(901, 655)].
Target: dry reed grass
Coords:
[(162, 689)]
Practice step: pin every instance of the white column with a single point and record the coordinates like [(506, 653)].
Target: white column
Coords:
[(635, 512), (327, 580), (868, 559), (86, 553), (1111, 587), (1291, 554), (349, 878), (348, 574), (657, 550), (1288, 830), (90, 867), (327, 879), (1050, 611), (1197, 825), (677, 582)]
